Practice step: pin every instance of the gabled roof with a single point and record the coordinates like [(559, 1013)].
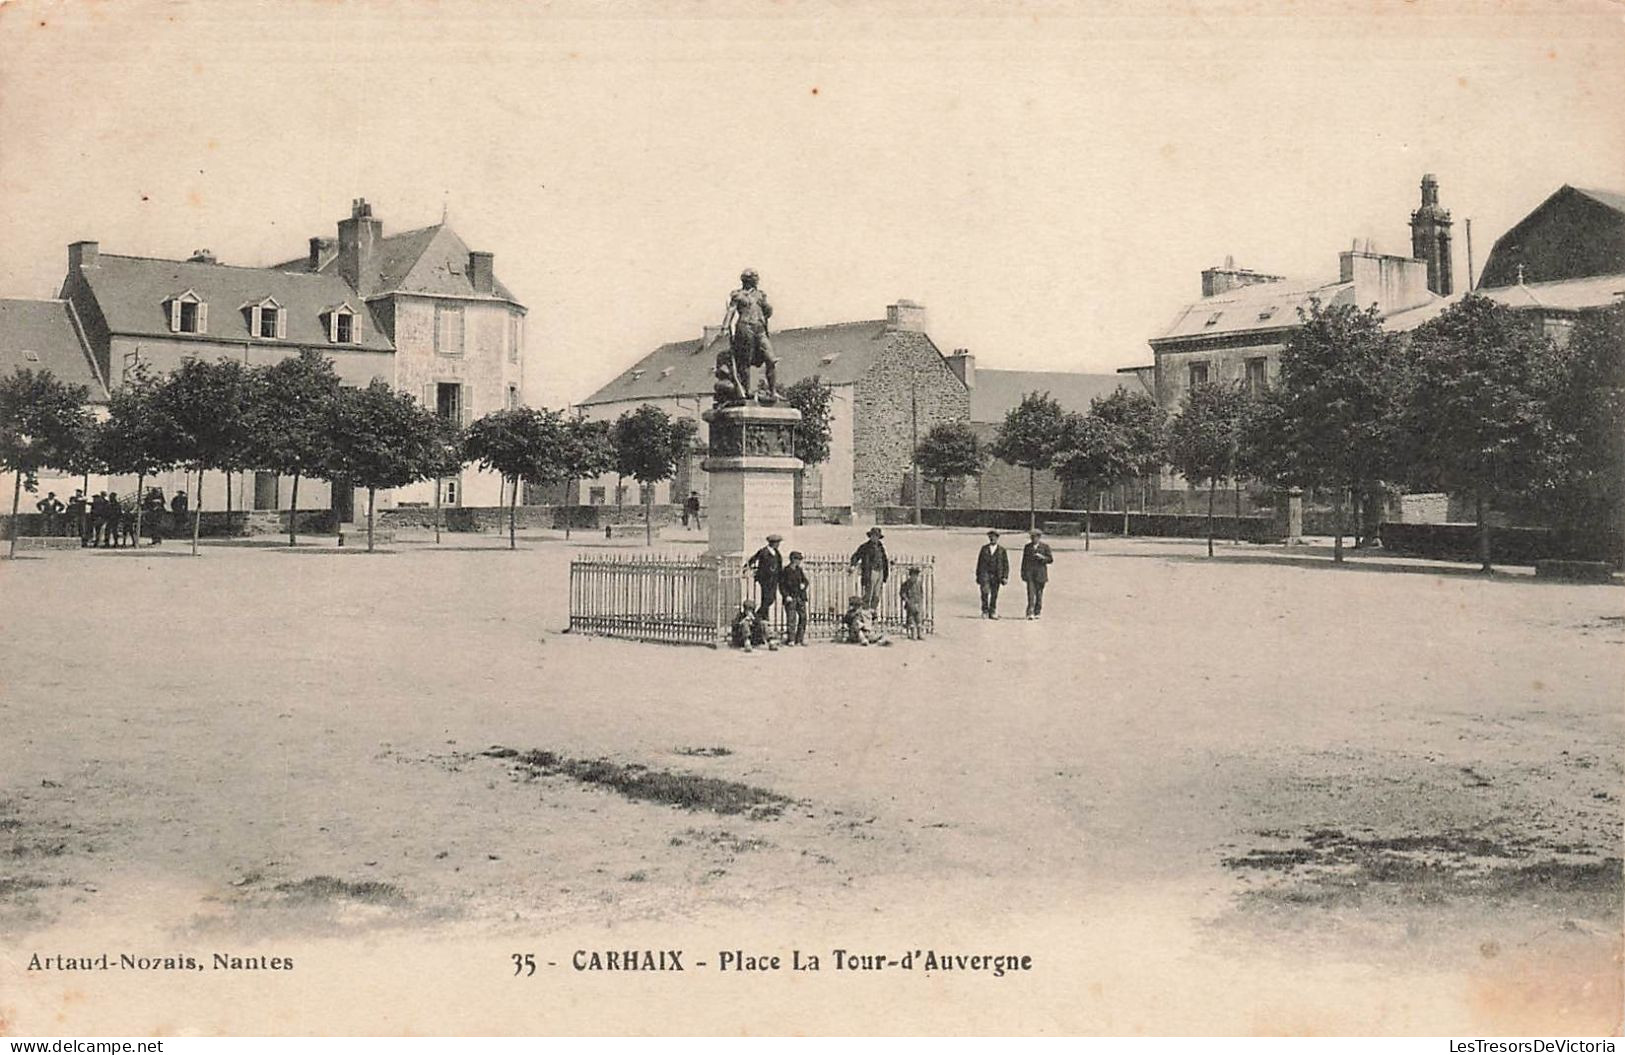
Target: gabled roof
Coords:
[(1611, 198), (838, 354), (1564, 295), (133, 291), (430, 260), (40, 335), (997, 392), (1254, 309)]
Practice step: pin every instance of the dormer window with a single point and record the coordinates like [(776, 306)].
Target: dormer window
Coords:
[(1266, 313), (1213, 320), (266, 319), (830, 358), (343, 324), (188, 313), (30, 356)]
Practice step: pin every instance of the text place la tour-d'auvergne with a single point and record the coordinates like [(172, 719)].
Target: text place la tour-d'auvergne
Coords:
[(909, 525)]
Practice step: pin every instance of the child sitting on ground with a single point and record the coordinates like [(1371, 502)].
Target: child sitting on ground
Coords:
[(749, 630), (913, 592), (860, 624)]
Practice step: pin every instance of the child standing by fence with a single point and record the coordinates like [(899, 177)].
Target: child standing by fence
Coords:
[(913, 594)]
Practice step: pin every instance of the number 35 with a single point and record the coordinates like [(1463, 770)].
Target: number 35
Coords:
[(524, 963)]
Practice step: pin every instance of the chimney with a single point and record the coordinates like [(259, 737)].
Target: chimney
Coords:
[(1216, 280), (83, 254), (963, 364), (709, 335), (358, 246), (906, 316), (319, 248), (201, 256), (479, 272), (1392, 283)]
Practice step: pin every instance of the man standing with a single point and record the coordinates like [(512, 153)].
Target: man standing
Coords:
[(1035, 561), (98, 519), (769, 565), (793, 587), (50, 508), (747, 314), (114, 524), (873, 567), (992, 572), (691, 510), (76, 516)]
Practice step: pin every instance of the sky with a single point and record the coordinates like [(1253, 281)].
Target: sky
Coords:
[(1048, 179)]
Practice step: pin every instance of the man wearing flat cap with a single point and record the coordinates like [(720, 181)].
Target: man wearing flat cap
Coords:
[(992, 572), (769, 565), (873, 567), (1035, 561)]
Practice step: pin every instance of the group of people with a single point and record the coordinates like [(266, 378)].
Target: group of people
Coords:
[(108, 519), (993, 571), (787, 584)]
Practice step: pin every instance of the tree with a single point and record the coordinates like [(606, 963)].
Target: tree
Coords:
[(649, 444), (1340, 404), (589, 452), (1143, 425), (43, 422), (1093, 454), (522, 443), (1204, 439), (1585, 478), (290, 419), (812, 434), (380, 439), (443, 457), (1477, 420), (950, 451), (205, 412), (132, 439), (1028, 437)]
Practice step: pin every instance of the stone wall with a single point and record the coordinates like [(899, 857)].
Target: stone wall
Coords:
[(909, 365)]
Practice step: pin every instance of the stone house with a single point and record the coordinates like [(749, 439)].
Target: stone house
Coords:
[(418, 310), (888, 378), (46, 336)]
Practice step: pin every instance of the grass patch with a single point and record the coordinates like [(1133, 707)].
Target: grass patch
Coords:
[(689, 791), (328, 888)]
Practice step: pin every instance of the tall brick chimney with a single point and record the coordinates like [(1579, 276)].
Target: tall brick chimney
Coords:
[(358, 246), (480, 273), (963, 364), (83, 254), (1216, 280), (907, 316)]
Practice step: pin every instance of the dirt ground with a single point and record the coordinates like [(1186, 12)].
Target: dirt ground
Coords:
[(1253, 793)]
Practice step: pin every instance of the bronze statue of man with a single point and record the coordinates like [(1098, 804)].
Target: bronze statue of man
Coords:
[(748, 312)]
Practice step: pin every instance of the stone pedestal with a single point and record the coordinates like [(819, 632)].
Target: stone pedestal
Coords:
[(752, 467)]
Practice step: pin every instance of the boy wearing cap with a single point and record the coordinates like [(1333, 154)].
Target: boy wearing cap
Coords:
[(992, 572), (769, 565), (913, 594), (873, 567), (793, 586), (1035, 561)]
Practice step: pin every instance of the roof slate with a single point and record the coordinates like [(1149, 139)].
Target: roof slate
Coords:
[(45, 328), (1570, 294), (1253, 309), (428, 260), (1611, 198), (132, 293)]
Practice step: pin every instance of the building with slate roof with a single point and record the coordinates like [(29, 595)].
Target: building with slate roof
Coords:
[(418, 310), (888, 380)]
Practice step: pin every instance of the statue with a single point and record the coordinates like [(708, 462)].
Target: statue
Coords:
[(748, 346)]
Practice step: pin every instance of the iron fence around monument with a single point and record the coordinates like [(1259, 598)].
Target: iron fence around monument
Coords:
[(692, 600)]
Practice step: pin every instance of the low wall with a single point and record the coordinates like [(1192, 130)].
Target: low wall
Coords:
[(495, 518), (214, 524), (1150, 525), (1508, 545)]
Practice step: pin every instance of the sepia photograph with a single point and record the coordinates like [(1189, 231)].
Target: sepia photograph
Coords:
[(812, 518)]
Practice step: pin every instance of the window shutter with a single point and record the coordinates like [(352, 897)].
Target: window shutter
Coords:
[(202, 317), (465, 405), (254, 312), (332, 327), (428, 398), (355, 327), (174, 315), (282, 324)]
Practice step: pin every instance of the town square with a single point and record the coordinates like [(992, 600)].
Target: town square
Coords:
[(986, 526)]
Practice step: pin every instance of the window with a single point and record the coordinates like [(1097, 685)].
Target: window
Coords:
[(270, 318), (513, 397), (343, 328), (514, 330), (448, 401), (188, 313), (1257, 374), (1266, 313), (1198, 374), (1213, 320), (31, 356), (595, 496), (448, 330), (266, 319), (450, 489)]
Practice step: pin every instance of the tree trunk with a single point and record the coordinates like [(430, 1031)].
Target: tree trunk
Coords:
[(649, 517), (293, 512), (437, 486), (228, 502), (1087, 502), (569, 486), (1483, 534), (1032, 498), (1212, 490), (16, 524), (1337, 518), (513, 513), (197, 513), (1235, 530), (1359, 516), (140, 493), (371, 491), (1125, 508)]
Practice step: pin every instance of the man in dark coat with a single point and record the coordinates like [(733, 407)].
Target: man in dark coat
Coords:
[(98, 519), (769, 565), (76, 516), (114, 523), (793, 589), (50, 508), (873, 567), (992, 572), (1035, 561)]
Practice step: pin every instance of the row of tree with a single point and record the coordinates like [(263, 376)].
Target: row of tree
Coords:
[(1476, 402)]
